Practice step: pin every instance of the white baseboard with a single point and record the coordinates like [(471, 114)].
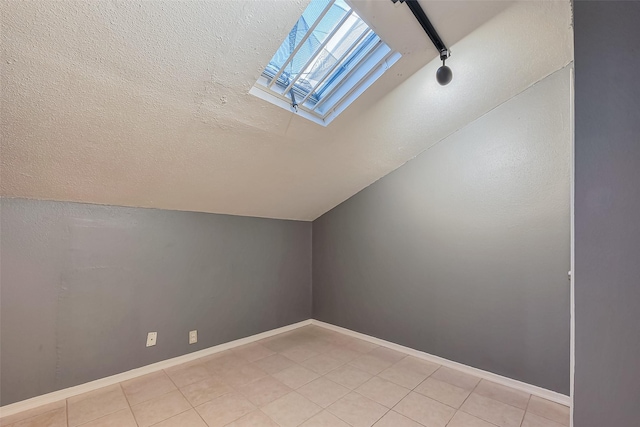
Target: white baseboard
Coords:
[(499, 379), (56, 396)]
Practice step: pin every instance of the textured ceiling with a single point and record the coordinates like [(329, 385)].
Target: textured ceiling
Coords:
[(146, 104)]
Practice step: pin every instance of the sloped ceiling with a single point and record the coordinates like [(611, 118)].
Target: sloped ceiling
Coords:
[(146, 104)]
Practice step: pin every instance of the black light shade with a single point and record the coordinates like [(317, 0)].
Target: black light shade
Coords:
[(444, 75)]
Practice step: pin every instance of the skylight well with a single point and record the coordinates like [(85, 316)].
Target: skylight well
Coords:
[(329, 58)]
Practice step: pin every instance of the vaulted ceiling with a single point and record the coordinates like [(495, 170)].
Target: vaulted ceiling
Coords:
[(146, 104)]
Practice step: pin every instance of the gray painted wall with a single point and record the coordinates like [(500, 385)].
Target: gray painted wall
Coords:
[(464, 251), (607, 209), (83, 284)]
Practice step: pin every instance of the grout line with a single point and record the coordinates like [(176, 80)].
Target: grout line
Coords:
[(172, 416), (526, 409), (191, 407), (367, 397), (465, 401), (274, 421), (474, 389), (412, 390), (467, 398), (104, 415), (34, 416), (128, 404)]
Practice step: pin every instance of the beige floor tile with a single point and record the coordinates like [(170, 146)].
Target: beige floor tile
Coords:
[(225, 409), (383, 392), (252, 352), (443, 392), (349, 376), (185, 419), (387, 354), (338, 338), (291, 410), (242, 375), (361, 346), (533, 420), (188, 373), (357, 410), (159, 409), (298, 336), (95, 404), (462, 419), (219, 355), (321, 346), (394, 419), (321, 364), (503, 394), (263, 391), (403, 376), (256, 418), (274, 364), (324, 419), (5, 421), (296, 376), (342, 341), (299, 353), (424, 410), (370, 363), (549, 410), (122, 418), (225, 364), (457, 378), (323, 391), (204, 391), (147, 387), (419, 366), (279, 343), (317, 331), (55, 418), (343, 354), (495, 412)]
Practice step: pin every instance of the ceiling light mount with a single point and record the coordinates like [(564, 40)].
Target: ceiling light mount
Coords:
[(444, 75)]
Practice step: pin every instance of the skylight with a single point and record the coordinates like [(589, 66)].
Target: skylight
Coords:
[(329, 58)]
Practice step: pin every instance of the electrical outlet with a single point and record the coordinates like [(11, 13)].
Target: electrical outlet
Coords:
[(193, 337), (151, 338)]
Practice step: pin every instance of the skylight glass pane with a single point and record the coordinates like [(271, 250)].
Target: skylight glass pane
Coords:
[(360, 51), (306, 47), (297, 33), (370, 60), (315, 42), (327, 60), (335, 49)]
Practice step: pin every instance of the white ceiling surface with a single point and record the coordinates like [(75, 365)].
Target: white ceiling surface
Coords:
[(146, 103)]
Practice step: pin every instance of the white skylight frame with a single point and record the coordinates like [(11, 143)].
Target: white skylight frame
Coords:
[(324, 84)]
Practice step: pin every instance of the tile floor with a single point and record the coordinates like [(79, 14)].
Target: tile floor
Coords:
[(310, 377)]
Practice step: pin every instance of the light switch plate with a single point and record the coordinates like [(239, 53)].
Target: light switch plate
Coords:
[(193, 337), (151, 338)]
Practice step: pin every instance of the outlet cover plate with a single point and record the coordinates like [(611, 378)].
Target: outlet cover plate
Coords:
[(151, 338), (193, 337)]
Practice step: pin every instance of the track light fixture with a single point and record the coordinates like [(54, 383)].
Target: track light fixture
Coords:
[(444, 75)]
